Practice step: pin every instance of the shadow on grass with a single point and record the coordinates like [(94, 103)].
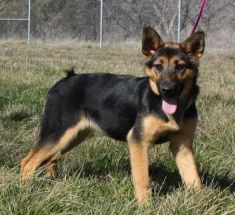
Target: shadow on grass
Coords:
[(165, 181), (171, 180), (18, 115), (221, 182)]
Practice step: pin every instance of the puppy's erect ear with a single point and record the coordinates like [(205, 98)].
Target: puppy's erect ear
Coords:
[(151, 41), (195, 44)]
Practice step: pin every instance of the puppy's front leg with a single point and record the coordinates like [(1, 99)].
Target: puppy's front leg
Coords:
[(139, 169), (181, 146)]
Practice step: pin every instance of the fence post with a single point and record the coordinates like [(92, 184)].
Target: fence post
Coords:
[(101, 22), (29, 20), (179, 21)]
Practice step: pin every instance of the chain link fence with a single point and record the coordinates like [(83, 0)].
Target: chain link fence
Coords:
[(122, 21), (13, 19)]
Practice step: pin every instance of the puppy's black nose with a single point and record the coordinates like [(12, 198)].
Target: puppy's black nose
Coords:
[(168, 90)]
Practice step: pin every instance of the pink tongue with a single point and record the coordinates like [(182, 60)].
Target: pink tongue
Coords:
[(169, 106)]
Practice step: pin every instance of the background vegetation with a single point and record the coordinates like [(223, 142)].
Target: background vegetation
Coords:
[(94, 178), (122, 20)]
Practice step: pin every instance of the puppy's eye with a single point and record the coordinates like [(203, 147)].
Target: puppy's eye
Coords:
[(159, 67), (180, 67)]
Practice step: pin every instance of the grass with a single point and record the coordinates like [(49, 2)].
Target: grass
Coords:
[(94, 178)]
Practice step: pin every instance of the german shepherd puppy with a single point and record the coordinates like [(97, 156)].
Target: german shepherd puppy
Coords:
[(140, 110)]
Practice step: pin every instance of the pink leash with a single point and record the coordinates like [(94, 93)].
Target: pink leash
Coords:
[(203, 6)]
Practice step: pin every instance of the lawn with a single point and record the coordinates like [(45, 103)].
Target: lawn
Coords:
[(94, 178)]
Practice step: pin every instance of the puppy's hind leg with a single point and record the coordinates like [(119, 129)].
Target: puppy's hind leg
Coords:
[(48, 152), (51, 165)]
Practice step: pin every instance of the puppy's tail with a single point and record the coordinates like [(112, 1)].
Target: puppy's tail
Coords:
[(70, 73)]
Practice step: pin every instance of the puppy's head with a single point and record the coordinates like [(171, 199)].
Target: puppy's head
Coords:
[(171, 67)]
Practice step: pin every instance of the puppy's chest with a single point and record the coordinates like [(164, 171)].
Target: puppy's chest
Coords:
[(157, 130)]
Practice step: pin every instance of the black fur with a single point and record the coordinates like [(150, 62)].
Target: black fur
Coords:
[(114, 102)]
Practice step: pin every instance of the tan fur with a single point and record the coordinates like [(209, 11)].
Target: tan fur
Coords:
[(153, 86), (186, 75), (33, 161), (181, 146), (169, 61), (153, 79), (50, 152), (153, 128), (161, 60), (172, 45), (51, 169), (175, 60), (139, 168), (25, 161)]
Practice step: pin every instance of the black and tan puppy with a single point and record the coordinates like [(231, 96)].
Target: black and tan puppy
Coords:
[(140, 110)]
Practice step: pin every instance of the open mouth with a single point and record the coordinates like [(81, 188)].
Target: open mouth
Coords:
[(169, 105)]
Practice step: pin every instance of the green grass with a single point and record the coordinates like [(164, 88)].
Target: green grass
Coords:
[(94, 178)]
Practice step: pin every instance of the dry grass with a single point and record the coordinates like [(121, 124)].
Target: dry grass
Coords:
[(94, 178)]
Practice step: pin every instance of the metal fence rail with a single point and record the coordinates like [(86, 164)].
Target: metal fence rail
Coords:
[(114, 22), (24, 4)]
